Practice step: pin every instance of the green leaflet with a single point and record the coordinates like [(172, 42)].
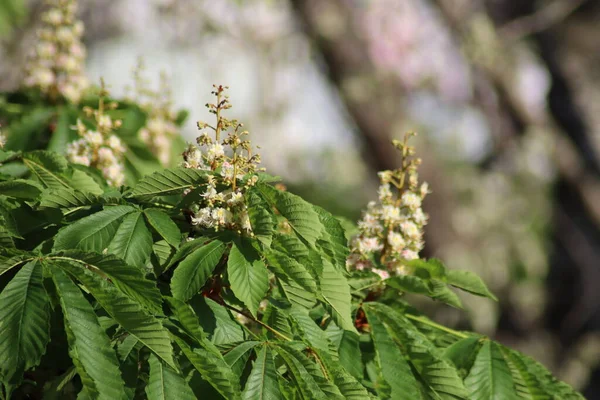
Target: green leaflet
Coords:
[(163, 225), (132, 241), (168, 181), (441, 292), (527, 385), (394, 367), (287, 268), (8, 263), (213, 369), (348, 349), (21, 189), (94, 232), (300, 215), (90, 348), (248, 276), (194, 270), (24, 322), (336, 293), (462, 354), (128, 313), (410, 284), (68, 198), (333, 239), (469, 282), (237, 353), (306, 374), (310, 331), (217, 321), (262, 383), (490, 376), (347, 385), (438, 375), (261, 219), (165, 383), (129, 279), (187, 318), (548, 383), (48, 168)]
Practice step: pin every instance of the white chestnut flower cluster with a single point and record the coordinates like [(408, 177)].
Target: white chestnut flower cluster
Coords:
[(161, 127), (56, 64), (99, 148), (391, 230), (233, 170)]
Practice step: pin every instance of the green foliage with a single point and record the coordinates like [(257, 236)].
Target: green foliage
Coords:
[(114, 293)]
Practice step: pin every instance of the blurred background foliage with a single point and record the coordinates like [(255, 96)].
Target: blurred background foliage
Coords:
[(504, 93)]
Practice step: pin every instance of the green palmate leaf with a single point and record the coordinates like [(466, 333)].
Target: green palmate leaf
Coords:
[(336, 294), (133, 241), (163, 253), (6, 238), (261, 219), (169, 181), (90, 348), (333, 239), (12, 261), (441, 292), (238, 352), (310, 331), (286, 267), (462, 354), (490, 376), (348, 350), (213, 369), (301, 216), (296, 294), (438, 375), (94, 232), (527, 385), (348, 385), (21, 189), (248, 276), (186, 249), (164, 226), (469, 282), (262, 383), (165, 383), (194, 270), (217, 321), (83, 182), (428, 269), (69, 199), (128, 313), (187, 318), (306, 375), (48, 168), (129, 279), (24, 322), (548, 383), (278, 320), (410, 284), (394, 367)]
